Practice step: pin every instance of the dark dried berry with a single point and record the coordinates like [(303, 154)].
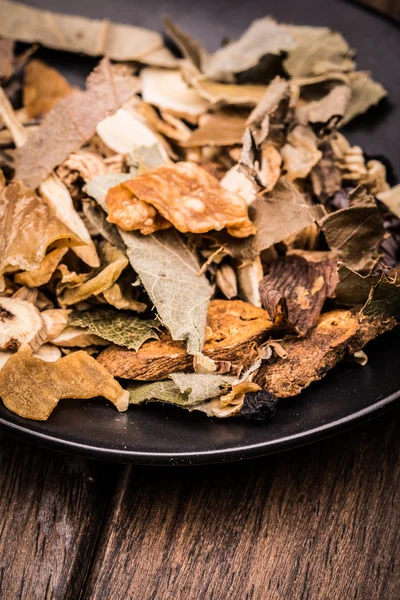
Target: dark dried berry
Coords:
[(259, 406)]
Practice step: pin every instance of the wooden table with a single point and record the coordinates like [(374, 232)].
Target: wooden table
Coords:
[(319, 522)]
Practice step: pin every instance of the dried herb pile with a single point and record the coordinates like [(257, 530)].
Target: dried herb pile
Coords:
[(191, 228)]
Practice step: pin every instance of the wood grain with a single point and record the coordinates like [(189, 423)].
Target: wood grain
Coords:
[(321, 522), (51, 510)]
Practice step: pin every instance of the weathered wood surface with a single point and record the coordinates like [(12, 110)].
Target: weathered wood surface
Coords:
[(51, 511), (321, 522)]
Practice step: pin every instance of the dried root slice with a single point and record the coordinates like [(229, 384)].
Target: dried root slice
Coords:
[(336, 334), (20, 323), (234, 328), (185, 195), (32, 388)]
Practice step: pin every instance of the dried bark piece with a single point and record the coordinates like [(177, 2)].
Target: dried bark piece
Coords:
[(78, 34), (43, 88), (234, 328), (27, 229), (72, 122), (295, 289), (186, 196), (32, 388), (20, 323), (336, 334)]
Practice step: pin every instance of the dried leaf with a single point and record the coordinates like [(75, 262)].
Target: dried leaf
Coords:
[(353, 289), (249, 276), (99, 186), (97, 218), (325, 176), (185, 195), (43, 88), (276, 216), (121, 328), (166, 89), (198, 387), (75, 337), (384, 299), (32, 388), (6, 58), (169, 273), (234, 328), (20, 323), (77, 34), (27, 229), (43, 273), (319, 50), (336, 334), (72, 122), (190, 48), (295, 289), (57, 196), (263, 37), (56, 320), (113, 263), (355, 233), (391, 199), (301, 153), (228, 93), (218, 129), (17, 130), (328, 111), (225, 279), (121, 297), (364, 93)]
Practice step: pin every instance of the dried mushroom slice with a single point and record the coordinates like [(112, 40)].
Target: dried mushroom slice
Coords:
[(20, 323), (186, 196), (295, 289), (32, 388), (234, 328), (336, 334)]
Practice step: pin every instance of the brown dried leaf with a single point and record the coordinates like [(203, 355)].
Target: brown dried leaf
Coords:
[(325, 176), (233, 332), (185, 195), (391, 199), (32, 388), (72, 122), (300, 154), (295, 289), (190, 48), (27, 229), (43, 273), (43, 88), (336, 334), (6, 58)]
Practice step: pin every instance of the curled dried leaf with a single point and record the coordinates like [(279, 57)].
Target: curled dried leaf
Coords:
[(295, 290), (20, 323), (301, 153), (43, 273), (32, 388), (43, 88)]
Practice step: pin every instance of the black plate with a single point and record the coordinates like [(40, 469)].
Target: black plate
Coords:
[(348, 394)]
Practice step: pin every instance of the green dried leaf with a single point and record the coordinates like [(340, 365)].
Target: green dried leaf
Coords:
[(384, 299), (169, 271), (355, 233), (120, 327), (364, 93), (157, 391)]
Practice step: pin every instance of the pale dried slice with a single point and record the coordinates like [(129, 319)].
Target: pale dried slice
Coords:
[(43, 88), (57, 196), (221, 128), (81, 165), (56, 320), (237, 182), (166, 89), (336, 334), (125, 130), (77, 34), (189, 198), (17, 132), (234, 328), (166, 124), (113, 262), (121, 328), (295, 289), (72, 122), (355, 233), (32, 388), (249, 276), (20, 323), (43, 273), (264, 36), (228, 93), (47, 352), (27, 229), (132, 214), (300, 154), (120, 295)]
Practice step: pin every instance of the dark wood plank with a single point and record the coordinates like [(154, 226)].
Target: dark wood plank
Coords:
[(51, 510), (319, 522)]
